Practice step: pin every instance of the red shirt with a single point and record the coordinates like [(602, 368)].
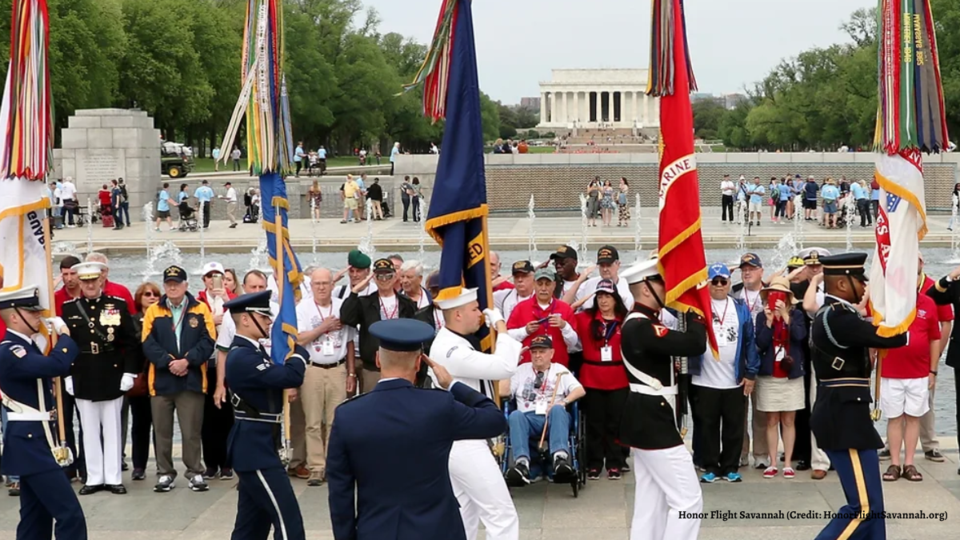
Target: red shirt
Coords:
[(506, 285), (595, 373), (111, 288), (945, 312), (59, 297), (913, 360), (528, 311), (105, 198)]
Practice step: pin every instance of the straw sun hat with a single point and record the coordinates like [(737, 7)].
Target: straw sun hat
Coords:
[(780, 284)]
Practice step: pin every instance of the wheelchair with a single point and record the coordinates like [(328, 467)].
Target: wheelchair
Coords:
[(541, 461)]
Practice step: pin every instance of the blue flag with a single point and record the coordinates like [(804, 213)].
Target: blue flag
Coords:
[(286, 268), (458, 210)]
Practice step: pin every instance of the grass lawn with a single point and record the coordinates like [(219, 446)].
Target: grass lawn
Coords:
[(205, 165), (542, 149)]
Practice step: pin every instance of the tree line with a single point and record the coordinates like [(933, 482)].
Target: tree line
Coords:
[(179, 60), (826, 97)]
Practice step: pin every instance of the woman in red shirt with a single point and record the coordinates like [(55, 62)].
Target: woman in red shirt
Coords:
[(605, 379), (105, 198)]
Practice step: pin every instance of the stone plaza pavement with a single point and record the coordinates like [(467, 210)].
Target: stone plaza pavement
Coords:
[(506, 233), (547, 512)]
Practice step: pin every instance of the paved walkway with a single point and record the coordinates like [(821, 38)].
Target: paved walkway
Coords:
[(547, 512), (505, 233)]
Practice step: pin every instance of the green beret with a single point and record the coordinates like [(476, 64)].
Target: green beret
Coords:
[(358, 259)]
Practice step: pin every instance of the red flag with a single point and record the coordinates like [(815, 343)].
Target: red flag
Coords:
[(682, 259)]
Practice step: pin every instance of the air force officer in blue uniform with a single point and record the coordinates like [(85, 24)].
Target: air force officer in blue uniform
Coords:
[(26, 377), (266, 497), (391, 446)]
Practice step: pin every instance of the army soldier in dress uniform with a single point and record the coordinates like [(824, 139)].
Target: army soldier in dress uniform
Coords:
[(667, 483), (101, 375), (266, 497), (26, 380), (840, 343)]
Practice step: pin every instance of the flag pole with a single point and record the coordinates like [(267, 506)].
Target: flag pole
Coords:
[(278, 272), (61, 453)]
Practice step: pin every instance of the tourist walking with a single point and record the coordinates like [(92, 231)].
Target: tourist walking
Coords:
[(406, 191), (375, 194), (232, 203), (593, 201), (607, 204), (416, 198), (68, 194), (204, 195), (623, 204), (954, 205), (235, 155), (394, 153), (216, 159), (298, 156), (116, 197), (315, 197), (727, 190)]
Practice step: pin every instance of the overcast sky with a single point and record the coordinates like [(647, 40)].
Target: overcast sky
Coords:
[(733, 42)]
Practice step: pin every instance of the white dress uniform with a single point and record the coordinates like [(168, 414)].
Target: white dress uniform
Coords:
[(477, 481)]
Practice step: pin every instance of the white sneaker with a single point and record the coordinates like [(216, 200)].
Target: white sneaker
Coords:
[(197, 483), (165, 484)]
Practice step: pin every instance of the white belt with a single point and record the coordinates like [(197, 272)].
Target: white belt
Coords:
[(663, 391), (35, 416)]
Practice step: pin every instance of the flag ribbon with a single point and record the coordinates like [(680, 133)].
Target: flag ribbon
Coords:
[(435, 71)]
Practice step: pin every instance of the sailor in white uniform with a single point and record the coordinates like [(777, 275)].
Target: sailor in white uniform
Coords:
[(667, 484), (477, 482)]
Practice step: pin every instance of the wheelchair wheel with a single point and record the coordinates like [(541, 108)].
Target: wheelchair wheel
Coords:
[(581, 450)]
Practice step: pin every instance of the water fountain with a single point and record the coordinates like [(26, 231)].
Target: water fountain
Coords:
[(638, 229), (149, 270), (203, 246), (786, 248), (89, 225), (63, 247), (744, 210), (165, 251), (532, 233), (258, 256), (851, 209), (955, 237), (422, 232), (798, 220), (582, 253)]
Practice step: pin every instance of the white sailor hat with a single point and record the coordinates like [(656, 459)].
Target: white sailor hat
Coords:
[(812, 255), (642, 271), (465, 297), (27, 299), (88, 270)]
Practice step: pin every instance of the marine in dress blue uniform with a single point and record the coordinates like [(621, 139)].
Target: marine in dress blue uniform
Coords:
[(840, 343), (266, 497), (387, 466), (26, 380)]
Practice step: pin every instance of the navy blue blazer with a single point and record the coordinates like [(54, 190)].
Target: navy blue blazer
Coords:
[(259, 382), (26, 450), (392, 447)]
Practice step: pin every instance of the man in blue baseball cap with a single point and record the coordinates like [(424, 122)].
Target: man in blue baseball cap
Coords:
[(369, 487)]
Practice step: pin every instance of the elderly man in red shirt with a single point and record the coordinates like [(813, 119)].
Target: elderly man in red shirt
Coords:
[(545, 315), (112, 288)]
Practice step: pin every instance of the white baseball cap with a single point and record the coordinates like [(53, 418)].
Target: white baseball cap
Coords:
[(211, 267)]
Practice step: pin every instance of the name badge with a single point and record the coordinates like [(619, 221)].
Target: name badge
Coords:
[(326, 347), (721, 334), (606, 354), (780, 355), (541, 407)]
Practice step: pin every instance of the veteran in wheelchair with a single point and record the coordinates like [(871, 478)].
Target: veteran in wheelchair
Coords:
[(541, 422)]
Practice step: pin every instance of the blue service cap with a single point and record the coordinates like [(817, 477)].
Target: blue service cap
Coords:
[(718, 270), (401, 335), (258, 302)]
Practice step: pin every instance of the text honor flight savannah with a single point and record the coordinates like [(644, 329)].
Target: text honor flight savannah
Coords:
[(726, 515)]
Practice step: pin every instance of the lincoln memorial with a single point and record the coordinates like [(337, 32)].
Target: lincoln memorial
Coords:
[(594, 98)]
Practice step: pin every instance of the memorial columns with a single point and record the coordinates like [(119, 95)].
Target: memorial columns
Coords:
[(576, 106), (553, 107), (543, 107), (646, 110), (609, 106), (633, 108)]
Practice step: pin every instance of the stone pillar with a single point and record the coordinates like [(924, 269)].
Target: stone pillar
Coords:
[(633, 108), (564, 108), (543, 107), (596, 105), (100, 145), (646, 110), (576, 107), (609, 105), (553, 107)]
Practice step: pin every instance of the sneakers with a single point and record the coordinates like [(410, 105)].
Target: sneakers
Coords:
[(625, 468), (594, 474), (733, 477), (884, 454), (13, 489), (138, 474), (519, 474), (770, 472), (316, 480), (210, 473), (300, 472), (761, 465), (226, 473), (934, 455), (165, 484), (788, 473), (562, 471), (708, 478), (614, 474), (197, 483)]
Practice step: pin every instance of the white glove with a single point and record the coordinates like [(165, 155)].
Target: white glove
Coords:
[(57, 324), (492, 316), (68, 384), (126, 382)]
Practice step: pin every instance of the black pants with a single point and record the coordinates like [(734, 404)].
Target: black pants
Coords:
[(236, 165), (956, 387), (299, 165), (140, 430), (781, 209), (391, 168), (602, 409), (206, 215), (726, 201), (216, 428), (875, 207), (406, 204), (801, 447), (863, 206), (416, 208), (721, 421)]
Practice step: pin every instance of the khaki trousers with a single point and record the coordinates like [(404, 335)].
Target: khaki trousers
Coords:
[(189, 407), (928, 436), (232, 212), (759, 430), (322, 390), (368, 379), (298, 439)]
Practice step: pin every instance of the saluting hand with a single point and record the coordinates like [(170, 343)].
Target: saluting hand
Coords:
[(444, 380), (363, 284)]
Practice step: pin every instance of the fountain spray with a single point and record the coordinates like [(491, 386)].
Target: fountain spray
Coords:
[(638, 229), (313, 229), (798, 220), (531, 231), (583, 253), (148, 240), (851, 211), (89, 226)]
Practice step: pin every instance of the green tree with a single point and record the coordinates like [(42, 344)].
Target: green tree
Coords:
[(706, 118)]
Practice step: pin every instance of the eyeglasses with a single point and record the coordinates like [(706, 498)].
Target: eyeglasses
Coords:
[(719, 282), (538, 382), (151, 294), (386, 277)]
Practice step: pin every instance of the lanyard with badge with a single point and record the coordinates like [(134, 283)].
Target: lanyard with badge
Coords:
[(609, 329), (326, 347), (722, 337), (383, 308), (540, 396), (539, 317)]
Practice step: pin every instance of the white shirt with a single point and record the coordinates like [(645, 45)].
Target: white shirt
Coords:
[(424, 299), (721, 374), (590, 285), (343, 291), (228, 331), (231, 195), (309, 316), (68, 191), (727, 187), (389, 308), (753, 301), (523, 381), (471, 367), (506, 300)]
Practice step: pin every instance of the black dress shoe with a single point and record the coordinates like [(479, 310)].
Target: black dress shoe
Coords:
[(90, 490), (803, 465), (117, 489)]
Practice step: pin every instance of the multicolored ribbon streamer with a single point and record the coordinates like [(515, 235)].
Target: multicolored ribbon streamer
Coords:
[(435, 71)]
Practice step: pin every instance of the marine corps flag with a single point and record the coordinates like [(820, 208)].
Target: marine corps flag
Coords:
[(682, 259), (911, 120)]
